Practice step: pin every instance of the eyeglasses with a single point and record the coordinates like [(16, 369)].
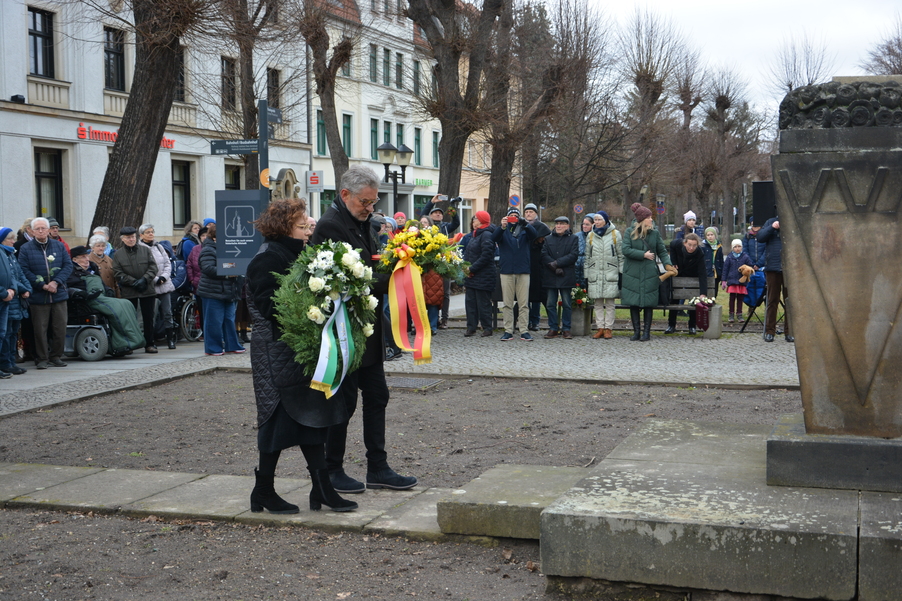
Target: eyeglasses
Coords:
[(302, 227), (366, 203)]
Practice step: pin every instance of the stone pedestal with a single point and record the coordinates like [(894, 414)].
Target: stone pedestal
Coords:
[(581, 321)]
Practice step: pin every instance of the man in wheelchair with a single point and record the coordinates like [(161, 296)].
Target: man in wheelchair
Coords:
[(89, 295)]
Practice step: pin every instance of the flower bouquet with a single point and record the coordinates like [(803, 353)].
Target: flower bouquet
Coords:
[(580, 297), (326, 312), (407, 255)]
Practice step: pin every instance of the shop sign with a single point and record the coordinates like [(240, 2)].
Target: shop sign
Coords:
[(89, 133)]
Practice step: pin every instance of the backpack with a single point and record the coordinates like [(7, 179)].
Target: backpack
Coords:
[(179, 275)]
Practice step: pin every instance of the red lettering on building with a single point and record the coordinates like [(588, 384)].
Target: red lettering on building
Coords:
[(89, 133)]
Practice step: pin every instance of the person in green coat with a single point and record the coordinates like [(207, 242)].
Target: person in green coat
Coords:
[(641, 244)]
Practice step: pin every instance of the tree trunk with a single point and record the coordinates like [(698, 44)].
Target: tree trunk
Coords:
[(246, 38), (126, 184), (500, 180)]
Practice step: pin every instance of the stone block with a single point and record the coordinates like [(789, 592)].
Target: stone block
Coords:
[(17, 479), (715, 323), (796, 458), (416, 518), (880, 547), (704, 522), (506, 501)]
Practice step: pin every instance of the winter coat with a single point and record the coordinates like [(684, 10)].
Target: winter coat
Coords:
[(444, 227), (681, 231), (514, 247), (130, 264), (339, 225), (731, 265), (773, 252), (277, 377), (713, 258), (480, 254), (690, 265), (34, 259), (755, 249), (640, 276), (581, 259), (604, 263), (105, 265), (162, 284), (16, 281), (187, 245), (212, 285), (563, 250), (536, 292), (193, 266)]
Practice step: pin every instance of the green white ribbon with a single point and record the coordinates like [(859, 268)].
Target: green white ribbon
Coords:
[(335, 329)]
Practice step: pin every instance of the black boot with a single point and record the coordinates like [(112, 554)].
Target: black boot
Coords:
[(646, 328), (264, 496), (171, 335), (322, 493), (634, 316)]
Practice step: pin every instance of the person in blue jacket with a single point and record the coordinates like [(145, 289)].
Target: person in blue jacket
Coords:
[(13, 287), (514, 239), (769, 234)]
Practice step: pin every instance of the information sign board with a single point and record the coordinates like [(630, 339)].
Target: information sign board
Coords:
[(237, 241)]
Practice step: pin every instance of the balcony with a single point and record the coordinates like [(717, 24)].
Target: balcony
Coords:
[(183, 113), (48, 92), (114, 103)]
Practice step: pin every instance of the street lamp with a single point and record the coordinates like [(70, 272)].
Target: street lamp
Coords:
[(388, 154)]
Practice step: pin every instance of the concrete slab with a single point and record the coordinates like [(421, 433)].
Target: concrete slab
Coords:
[(703, 526), (880, 547), (506, 501), (416, 518), (17, 479), (796, 458), (107, 490), (214, 497), (372, 504)]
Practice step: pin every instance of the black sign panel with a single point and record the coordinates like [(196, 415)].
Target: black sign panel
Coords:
[(234, 147), (273, 115), (237, 241)]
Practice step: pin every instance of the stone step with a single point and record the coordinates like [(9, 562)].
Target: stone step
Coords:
[(506, 501)]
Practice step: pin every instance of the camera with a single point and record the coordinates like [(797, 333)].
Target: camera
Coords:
[(512, 219), (456, 199)]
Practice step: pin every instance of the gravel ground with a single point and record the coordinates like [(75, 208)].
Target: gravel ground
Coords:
[(206, 424)]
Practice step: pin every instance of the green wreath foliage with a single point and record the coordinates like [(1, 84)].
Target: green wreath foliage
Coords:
[(331, 268)]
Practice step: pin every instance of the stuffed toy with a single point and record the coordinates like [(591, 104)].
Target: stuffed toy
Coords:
[(746, 272)]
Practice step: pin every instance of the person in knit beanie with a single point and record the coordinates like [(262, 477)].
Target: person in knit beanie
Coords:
[(713, 253)]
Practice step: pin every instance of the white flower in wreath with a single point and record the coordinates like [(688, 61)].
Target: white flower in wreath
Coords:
[(372, 302), (315, 315), (368, 272), (334, 295), (341, 277), (366, 289), (347, 246), (326, 259), (316, 284), (358, 269), (368, 330), (350, 258)]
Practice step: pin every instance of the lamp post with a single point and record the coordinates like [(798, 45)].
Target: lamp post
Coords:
[(388, 154)]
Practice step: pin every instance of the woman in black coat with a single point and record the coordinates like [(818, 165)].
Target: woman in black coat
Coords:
[(220, 294), (289, 412), (480, 254)]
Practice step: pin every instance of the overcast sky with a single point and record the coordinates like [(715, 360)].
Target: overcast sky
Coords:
[(746, 34)]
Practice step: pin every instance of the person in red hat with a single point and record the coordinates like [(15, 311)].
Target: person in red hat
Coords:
[(480, 254)]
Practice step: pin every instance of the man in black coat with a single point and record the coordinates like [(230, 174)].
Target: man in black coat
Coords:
[(347, 220), (689, 260), (536, 292), (769, 234), (559, 255)]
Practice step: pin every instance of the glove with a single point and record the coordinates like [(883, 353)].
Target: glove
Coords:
[(140, 285), (93, 295), (76, 294), (559, 271), (161, 280), (552, 266)]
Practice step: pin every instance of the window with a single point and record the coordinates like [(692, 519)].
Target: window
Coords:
[(326, 198), (40, 42), (417, 154), (416, 78), (386, 67), (229, 85), (399, 71), (374, 5), (346, 68), (274, 88), (232, 177), (387, 6), (180, 75), (374, 65), (400, 134), (435, 149), (346, 133), (386, 137), (374, 138), (114, 58), (181, 193), (320, 133), (48, 178)]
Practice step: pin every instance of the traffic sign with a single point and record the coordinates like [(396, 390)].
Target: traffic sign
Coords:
[(660, 208), (514, 200), (218, 147), (577, 209)]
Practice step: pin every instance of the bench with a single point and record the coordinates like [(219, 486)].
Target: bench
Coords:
[(685, 288)]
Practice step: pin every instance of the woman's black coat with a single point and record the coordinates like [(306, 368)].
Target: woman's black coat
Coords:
[(480, 254)]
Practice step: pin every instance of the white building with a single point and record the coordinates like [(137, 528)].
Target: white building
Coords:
[(64, 83)]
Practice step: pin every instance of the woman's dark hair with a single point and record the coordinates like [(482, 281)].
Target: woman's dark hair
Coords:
[(280, 216), (692, 236), (211, 231)]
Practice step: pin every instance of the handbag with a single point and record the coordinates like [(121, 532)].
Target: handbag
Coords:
[(702, 315)]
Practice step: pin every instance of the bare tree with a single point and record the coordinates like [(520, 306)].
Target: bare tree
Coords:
[(158, 26), (688, 82), (885, 58), (800, 62), (454, 31)]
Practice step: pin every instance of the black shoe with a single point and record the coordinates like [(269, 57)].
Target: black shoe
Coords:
[(16, 370), (343, 483), (692, 331), (264, 496), (323, 493), (768, 338), (387, 478), (469, 333), (42, 364), (243, 336), (788, 339), (486, 333), (152, 349), (670, 330), (172, 335), (391, 354), (533, 327), (58, 363)]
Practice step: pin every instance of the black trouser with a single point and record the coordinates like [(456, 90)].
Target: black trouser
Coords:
[(370, 381), (478, 305), (672, 315), (148, 304)]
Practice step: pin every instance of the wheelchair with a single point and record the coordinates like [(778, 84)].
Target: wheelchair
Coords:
[(87, 333), (186, 310)]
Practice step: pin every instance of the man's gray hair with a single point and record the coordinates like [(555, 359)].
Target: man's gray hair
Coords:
[(96, 239), (36, 219), (144, 227), (357, 178)]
